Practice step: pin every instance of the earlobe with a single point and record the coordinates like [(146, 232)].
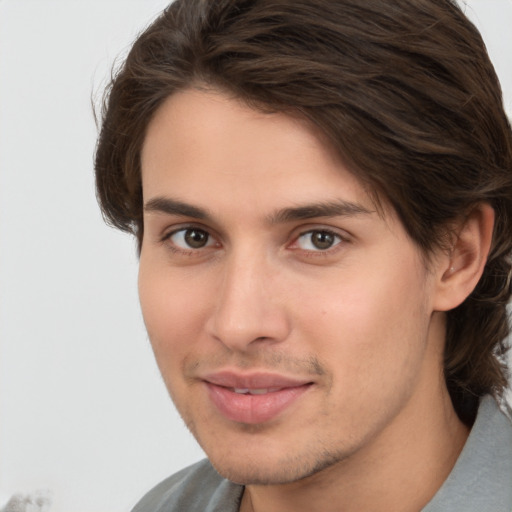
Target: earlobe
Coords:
[(461, 269)]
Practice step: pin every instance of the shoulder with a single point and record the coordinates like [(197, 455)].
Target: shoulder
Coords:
[(196, 488), (482, 476)]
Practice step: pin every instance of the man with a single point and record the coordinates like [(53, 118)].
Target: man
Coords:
[(322, 195)]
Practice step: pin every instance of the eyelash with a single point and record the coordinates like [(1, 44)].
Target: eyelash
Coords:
[(166, 239), (310, 253)]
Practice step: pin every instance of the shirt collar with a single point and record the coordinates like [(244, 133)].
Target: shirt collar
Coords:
[(482, 476)]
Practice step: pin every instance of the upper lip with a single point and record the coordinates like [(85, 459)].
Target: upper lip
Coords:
[(254, 380)]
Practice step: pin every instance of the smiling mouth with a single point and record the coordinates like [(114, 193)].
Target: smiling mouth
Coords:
[(254, 405)]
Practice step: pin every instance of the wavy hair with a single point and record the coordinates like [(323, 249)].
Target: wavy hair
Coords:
[(404, 90)]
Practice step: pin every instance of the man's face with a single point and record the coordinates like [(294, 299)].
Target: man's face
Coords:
[(290, 320)]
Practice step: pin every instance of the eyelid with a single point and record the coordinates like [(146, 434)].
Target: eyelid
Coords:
[(166, 236), (342, 235), (168, 231)]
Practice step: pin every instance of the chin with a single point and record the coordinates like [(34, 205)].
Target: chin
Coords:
[(245, 470)]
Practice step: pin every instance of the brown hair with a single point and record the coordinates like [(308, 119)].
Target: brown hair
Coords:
[(405, 91)]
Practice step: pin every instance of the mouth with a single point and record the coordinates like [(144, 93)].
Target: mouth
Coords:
[(253, 399), (247, 391)]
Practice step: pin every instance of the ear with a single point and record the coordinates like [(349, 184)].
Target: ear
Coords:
[(460, 269)]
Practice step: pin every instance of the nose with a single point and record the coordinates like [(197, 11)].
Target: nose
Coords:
[(248, 310)]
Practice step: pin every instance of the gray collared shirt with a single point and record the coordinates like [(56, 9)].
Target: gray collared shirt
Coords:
[(481, 480)]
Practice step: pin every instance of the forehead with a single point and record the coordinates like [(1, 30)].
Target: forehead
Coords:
[(201, 122), (206, 144)]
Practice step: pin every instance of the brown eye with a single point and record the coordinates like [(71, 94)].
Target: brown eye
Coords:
[(191, 238), (322, 239), (196, 238), (318, 240)]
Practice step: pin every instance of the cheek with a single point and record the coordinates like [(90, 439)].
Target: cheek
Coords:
[(369, 323), (174, 308)]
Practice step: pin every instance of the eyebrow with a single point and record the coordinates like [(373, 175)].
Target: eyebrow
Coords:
[(338, 208), (174, 207)]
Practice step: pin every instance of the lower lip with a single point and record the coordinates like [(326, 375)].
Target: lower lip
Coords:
[(253, 409)]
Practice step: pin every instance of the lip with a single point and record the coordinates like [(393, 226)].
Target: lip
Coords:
[(253, 380), (273, 394)]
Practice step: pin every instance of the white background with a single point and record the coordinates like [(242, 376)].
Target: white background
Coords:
[(83, 411)]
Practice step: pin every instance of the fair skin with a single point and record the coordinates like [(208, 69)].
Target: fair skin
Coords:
[(298, 330)]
